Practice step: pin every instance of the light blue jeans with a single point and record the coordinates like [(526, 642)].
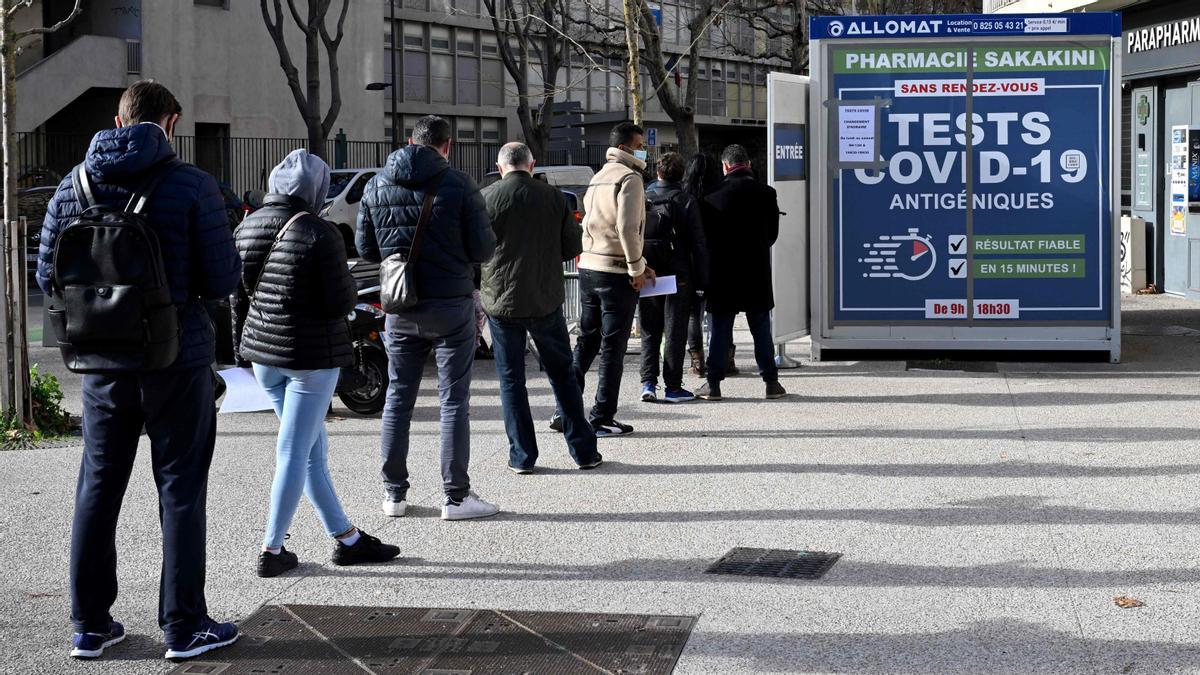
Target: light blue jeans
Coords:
[(301, 399)]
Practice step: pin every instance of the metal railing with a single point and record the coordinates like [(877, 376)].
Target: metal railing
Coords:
[(245, 163)]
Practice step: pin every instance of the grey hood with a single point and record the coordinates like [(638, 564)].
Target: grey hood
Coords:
[(301, 175)]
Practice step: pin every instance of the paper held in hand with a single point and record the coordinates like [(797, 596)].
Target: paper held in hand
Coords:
[(662, 286), (242, 392)]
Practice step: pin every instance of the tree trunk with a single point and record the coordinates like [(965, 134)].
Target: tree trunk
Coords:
[(10, 392), (633, 81), (689, 135), (312, 71)]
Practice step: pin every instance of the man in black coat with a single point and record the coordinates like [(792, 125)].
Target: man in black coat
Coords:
[(744, 226), (456, 238), (523, 296), (174, 405)]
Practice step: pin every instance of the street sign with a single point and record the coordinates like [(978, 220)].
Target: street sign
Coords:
[(651, 136), (656, 10)]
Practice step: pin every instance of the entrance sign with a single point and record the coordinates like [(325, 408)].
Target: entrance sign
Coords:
[(968, 199)]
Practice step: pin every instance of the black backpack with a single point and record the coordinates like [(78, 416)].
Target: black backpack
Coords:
[(660, 239), (111, 307)]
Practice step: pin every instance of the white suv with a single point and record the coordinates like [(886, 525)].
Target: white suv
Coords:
[(341, 204)]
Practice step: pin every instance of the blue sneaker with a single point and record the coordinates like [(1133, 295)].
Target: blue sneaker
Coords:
[(679, 395), (649, 392), (92, 645), (212, 635)]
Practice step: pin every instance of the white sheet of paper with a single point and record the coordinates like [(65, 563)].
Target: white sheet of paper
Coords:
[(242, 392), (662, 286), (856, 133)]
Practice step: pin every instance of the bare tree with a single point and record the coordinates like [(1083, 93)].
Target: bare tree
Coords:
[(15, 395), (316, 34), (539, 29)]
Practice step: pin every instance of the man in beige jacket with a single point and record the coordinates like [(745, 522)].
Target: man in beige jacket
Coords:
[(612, 271)]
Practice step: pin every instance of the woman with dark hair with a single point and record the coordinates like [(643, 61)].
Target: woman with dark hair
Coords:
[(702, 177)]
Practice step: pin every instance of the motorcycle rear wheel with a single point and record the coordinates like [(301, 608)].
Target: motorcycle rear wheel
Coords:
[(368, 399)]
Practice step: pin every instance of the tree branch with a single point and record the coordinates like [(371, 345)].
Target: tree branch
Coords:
[(75, 12), (275, 29), (331, 53)]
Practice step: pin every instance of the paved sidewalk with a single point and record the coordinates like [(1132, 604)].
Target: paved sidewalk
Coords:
[(987, 520)]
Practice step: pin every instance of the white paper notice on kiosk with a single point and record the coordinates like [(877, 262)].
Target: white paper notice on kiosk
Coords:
[(856, 133)]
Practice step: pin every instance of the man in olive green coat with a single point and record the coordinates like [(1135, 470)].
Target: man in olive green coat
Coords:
[(522, 288)]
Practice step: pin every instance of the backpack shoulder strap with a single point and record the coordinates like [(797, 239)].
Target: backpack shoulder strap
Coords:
[(141, 196), (426, 213), (82, 183), (271, 249)]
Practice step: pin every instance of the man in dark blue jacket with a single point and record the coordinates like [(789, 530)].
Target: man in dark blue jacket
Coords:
[(456, 238), (175, 404)]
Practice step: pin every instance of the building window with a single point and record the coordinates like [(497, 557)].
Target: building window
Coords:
[(466, 128), (493, 82), (489, 45), (410, 123), (220, 4), (439, 38), (442, 69), (414, 35), (489, 130), (468, 80), (416, 76), (465, 41)]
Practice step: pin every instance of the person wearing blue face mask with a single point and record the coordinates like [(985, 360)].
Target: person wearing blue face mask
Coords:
[(612, 271)]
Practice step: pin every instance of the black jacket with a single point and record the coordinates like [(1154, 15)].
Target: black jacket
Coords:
[(690, 260), (458, 234), (186, 212), (742, 224), (535, 232), (304, 291)]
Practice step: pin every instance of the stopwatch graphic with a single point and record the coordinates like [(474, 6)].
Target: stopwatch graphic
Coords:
[(901, 256)]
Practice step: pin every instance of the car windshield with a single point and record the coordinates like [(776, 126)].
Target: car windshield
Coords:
[(338, 181)]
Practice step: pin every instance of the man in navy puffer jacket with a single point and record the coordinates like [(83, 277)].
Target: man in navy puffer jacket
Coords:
[(457, 236), (175, 404)]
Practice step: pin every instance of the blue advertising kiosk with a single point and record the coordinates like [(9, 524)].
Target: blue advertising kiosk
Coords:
[(964, 196)]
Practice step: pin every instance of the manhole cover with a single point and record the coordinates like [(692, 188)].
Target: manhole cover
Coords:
[(774, 562), (287, 639), (957, 366)]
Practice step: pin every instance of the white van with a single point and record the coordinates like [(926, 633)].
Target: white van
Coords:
[(559, 176), (341, 203)]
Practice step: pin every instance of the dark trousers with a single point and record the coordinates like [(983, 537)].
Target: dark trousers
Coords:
[(695, 340), (665, 317), (720, 337), (445, 326), (607, 304), (176, 407), (549, 334)]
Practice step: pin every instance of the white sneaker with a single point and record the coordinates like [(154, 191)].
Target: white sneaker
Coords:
[(393, 509), (470, 507)]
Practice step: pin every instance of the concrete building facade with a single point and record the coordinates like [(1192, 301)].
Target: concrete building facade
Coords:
[(215, 55)]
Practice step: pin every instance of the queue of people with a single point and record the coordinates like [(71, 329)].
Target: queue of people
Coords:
[(285, 269)]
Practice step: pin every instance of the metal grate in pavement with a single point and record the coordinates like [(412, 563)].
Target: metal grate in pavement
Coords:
[(330, 640), (774, 562)]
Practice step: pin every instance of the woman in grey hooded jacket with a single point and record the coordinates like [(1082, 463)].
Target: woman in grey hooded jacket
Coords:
[(291, 325)]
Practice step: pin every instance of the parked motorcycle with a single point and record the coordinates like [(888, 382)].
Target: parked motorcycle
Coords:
[(363, 386)]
